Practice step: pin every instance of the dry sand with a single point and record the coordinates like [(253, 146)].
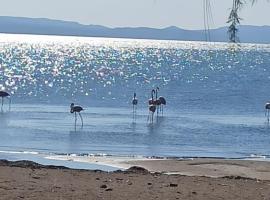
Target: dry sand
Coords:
[(27, 180)]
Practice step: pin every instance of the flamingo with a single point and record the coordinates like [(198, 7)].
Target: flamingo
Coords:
[(267, 110), (76, 109), (163, 103), (5, 95), (152, 101), (157, 101), (152, 106), (134, 103)]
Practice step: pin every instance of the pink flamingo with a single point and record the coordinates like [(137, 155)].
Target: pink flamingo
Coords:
[(5, 95), (161, 100), (76, 109), (157, 101), (163, 103), (152, 107), (134, 103), (267, 110)]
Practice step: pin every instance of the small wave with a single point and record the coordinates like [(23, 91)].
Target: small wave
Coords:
[(20, 152), (258, 156)]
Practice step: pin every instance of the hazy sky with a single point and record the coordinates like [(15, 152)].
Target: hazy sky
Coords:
[(121, 13)]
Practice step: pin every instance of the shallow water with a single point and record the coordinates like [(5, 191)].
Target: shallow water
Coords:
[(113, 131), (215, 97)]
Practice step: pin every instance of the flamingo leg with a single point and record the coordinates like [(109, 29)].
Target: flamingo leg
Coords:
[(2, 104), (81, 118), (148, 116), (75, 118), (135, 112)]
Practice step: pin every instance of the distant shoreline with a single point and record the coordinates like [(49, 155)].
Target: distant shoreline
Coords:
[(42, 26)]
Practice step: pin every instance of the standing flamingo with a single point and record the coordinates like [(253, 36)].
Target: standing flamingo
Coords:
[(152, 101), (5, 95), (157, 101), (163, 103), (134, 103), (152, 107), (76, 109), (267, 110)]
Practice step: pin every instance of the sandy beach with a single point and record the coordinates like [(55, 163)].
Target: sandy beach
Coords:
[(203, 179)]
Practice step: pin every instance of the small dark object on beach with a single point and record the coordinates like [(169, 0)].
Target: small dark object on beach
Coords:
[(103, 186), (149, 183), (173, 185), (136, 169), (238, 178), (109, 189)]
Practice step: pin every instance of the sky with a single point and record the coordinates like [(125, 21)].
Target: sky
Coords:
[(186, 14)]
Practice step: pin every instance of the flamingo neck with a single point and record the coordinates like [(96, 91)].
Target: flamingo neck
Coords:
[(153, 92)]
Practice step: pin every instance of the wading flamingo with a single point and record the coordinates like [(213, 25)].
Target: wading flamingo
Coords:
[(134, 103), (157, 101), (163, 103), (267, 110), (152, 107), (76, 109), (5, 95)]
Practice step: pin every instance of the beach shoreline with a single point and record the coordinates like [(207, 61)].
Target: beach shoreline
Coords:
[(208, 167), (151, 179)]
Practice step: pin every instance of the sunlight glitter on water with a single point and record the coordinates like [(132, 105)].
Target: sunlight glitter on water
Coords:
[(46, 68)]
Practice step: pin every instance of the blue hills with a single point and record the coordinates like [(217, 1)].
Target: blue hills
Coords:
[(42, 26)]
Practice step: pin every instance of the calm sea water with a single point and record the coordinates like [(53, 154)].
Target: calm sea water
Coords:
[(215, 97)]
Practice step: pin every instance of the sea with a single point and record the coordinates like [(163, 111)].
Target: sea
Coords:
[(215, 94)]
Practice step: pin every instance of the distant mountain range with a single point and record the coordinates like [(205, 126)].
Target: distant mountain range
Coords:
[(21, 25)]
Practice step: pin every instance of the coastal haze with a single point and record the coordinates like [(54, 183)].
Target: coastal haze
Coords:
[(20, 25)]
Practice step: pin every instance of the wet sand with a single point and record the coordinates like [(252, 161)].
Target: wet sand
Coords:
[(191, 167), (28, 180)]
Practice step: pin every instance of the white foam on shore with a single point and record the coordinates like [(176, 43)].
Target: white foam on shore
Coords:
[(121, 162), (20, 152)]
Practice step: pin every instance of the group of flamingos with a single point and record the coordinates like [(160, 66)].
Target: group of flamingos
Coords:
[(155, 104)]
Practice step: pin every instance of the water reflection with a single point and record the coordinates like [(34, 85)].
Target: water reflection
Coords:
[(4, 118), (156, 126)]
